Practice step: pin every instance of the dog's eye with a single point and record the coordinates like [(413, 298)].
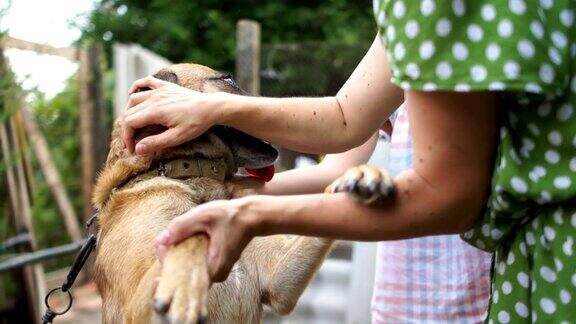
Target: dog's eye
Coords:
[(228, 79)]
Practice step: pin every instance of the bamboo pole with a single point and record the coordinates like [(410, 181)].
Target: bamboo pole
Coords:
[(27, 272), (34, 275), (7, 157), (70, 53), (24, 145), (52, 176)]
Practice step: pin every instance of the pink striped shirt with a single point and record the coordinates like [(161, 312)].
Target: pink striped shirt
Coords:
[(435, 279)]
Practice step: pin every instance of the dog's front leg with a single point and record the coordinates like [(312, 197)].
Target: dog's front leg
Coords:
[(286, 276), (182, 292)]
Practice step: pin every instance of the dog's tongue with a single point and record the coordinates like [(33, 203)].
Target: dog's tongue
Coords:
[(265, 174)]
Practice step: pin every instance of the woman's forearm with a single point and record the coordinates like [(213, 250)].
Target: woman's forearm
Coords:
[(444, 192), (315, 178), (305, 180), (339, 216), (321, 125), (300, 124)]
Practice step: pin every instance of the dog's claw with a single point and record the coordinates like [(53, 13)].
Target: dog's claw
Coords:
[(161, 307), (365, 183), (350, 185)]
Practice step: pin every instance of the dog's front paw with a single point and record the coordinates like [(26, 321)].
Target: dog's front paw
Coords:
[(365, 183), (182, 293)]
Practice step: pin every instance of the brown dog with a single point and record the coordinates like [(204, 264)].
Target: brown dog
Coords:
[(137, 196)]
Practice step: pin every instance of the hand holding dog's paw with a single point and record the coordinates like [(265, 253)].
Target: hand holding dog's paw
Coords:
[(365, 183), (182, 292)]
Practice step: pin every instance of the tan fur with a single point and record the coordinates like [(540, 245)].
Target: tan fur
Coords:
[(272, 270)]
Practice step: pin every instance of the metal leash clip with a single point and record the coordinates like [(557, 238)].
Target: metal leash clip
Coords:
[(85, 251)]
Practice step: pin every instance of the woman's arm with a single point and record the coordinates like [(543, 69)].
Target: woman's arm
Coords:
[(330, 124), (454, 144), (311, 125), (454, 138)]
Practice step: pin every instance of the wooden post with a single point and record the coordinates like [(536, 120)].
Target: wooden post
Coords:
[(100, 129), (86, 140), (248, 56), (52, 176), (94, 132)]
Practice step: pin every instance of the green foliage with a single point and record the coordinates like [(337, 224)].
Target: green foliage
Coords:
[(204, 31)]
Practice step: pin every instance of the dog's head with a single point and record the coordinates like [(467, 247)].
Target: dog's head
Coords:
[(238, 149), (247, 151)]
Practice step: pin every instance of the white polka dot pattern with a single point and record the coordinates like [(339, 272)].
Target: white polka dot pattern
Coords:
[(524, 50)]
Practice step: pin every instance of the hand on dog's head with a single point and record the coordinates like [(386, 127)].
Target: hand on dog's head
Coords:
[(248, 151)]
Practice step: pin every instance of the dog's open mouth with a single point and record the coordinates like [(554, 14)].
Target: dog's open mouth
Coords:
[(265, 173)]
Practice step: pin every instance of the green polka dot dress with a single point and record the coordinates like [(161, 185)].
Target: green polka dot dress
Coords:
[(525, 50)]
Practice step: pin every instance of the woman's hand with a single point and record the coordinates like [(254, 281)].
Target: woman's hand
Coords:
[(227, 226), (185, 113)]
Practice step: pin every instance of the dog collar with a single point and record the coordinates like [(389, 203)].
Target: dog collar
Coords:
[(182, 169)]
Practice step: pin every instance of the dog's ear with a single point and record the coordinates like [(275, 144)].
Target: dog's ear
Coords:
[(166, 75), (248, 151)]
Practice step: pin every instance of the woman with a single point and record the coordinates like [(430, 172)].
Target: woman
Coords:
[(457, 64)]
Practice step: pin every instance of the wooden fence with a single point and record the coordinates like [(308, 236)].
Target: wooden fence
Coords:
[(21, 131)]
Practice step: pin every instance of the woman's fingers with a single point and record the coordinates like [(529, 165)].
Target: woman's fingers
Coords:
[(168, 138), (227, 239), (141, 118), (218, 269), (183, 227), (137, 98), (160, 250), (147, 82), (127, 136)]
